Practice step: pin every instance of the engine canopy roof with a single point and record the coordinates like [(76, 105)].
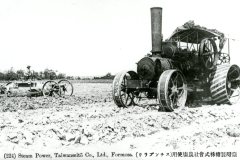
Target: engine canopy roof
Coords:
[(191, 33)]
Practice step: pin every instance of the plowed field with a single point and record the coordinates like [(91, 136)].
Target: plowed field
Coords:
[(91, 120)]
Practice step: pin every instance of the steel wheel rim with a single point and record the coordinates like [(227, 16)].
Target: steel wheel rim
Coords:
[(126, 96), (123, 96), (232, 84), (175, 89), (50, 88), (172, 91), (66, 88)]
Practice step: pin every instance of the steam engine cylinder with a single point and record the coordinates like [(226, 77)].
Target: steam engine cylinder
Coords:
[(150, 68)]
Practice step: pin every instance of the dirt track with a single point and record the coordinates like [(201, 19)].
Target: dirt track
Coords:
[(90, 119)]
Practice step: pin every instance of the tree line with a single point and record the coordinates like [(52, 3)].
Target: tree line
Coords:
[(47, 74), (107, 76), (11, 74)]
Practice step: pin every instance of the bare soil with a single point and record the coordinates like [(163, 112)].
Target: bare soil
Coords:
[(91, 120)]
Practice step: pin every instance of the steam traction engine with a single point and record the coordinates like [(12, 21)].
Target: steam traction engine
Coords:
[(188, 66)]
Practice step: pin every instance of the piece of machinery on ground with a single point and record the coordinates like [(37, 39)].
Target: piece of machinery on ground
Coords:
[(33, 88)]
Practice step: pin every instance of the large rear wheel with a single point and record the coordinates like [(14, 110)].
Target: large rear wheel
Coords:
[(66, 87), (172, 90), (225, 84)]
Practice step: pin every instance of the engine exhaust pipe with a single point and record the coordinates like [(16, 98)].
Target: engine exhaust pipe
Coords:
[(156, 25)]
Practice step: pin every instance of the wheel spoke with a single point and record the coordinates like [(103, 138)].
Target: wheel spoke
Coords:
[(176, 80), (127, 99), (132, 99), (56, 93), (233, 90), (231, 72), (211, 47), (175, 77), (208, 62), (174, 101), (171, 82), (235, 96), (235, 79), (207, 54), (180, 88), (206, 48)]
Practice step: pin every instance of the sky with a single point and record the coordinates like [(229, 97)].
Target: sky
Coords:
[(94, 37)]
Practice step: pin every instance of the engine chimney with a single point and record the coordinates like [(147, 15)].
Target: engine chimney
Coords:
[(156, 24)]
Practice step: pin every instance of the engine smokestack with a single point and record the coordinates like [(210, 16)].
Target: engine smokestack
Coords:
[(156, 25)]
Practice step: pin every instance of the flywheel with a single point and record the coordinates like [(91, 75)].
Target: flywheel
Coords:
[(208, 53), (225, 84)]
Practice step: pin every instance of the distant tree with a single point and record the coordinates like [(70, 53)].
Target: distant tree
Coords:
[(61, 76), (41, 75), (53, 74), (108, 76), (78, 78), (20, 74), (36, 75), (70, 77), (11, 75), (2, 76), (86, 78), (49, 74), (46, 74)]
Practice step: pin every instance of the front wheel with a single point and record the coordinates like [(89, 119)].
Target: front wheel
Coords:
[(172, 90), (123, 95), (51, 88)]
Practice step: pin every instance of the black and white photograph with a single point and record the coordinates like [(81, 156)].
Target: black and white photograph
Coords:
[(119, 79)]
